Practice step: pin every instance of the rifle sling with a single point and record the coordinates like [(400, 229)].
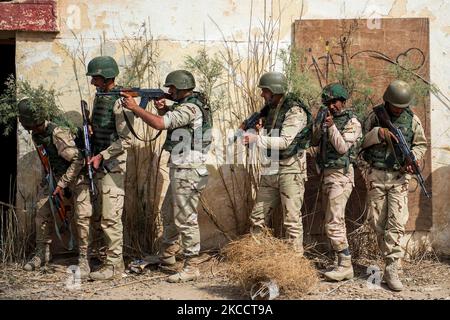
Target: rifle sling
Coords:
[(277, 111), (130, 126)]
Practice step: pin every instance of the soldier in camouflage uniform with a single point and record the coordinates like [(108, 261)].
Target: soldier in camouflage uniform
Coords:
[(187, 119), (283, 175), (110, 141), (67, 162), (389, 174), (334, 160)]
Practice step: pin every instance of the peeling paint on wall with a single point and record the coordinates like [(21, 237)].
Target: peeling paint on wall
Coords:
[(184, 26)]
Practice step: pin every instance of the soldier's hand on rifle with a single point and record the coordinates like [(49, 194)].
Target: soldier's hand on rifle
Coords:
[(409, 166), (160, 103), (96, 161), (249, 138), (58, 192), (128, 102), (385, 134), (329, 120), (259, 125)]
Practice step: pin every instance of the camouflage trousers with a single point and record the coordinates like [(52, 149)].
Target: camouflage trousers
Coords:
[(288, 190), (83, 210), (110, 201), (387, 196), (179, 210), (335, 197)]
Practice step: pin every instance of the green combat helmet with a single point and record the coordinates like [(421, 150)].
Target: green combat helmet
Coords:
[(273, 81), (399, 94), (28, 117), (180, 79), (334, 91), (104, 66)]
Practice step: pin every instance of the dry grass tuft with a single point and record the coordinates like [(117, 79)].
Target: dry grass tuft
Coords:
[(252, 259), (363, 243)]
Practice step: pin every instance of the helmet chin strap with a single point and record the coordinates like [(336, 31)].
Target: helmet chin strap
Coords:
[(181, 94), (175, 95), (272, 101)]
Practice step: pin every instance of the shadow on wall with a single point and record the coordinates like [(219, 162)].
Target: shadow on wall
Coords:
[(225, 206), (424, 219), (29, 193), (440, 231)]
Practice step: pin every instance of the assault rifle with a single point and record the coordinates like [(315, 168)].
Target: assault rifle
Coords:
[(410, 158), (321, 117), (57, 208), (87, 146), (249, 123), (145, 94)]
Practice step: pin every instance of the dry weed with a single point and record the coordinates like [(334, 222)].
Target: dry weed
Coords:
[(252, 259)]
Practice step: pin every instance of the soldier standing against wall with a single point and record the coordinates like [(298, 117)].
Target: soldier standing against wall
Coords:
[(66, 161), (389, 174), (186, 118), (284, 175), (110, 140), (337, 151)]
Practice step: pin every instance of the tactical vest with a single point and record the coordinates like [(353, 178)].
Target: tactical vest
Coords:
[(104, 122), (59, 165), (301, 140), (335, 160), (203, 133), (379, 155)]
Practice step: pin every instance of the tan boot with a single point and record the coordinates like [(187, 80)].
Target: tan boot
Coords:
[(391, 275), (343, 271), (190, 272), (108, 272), (41, 258), (83, 264)]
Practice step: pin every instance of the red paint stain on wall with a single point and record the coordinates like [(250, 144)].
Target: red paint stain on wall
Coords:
[(32, 15)]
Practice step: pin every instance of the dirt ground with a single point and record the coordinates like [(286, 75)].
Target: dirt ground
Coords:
[(424, 279)]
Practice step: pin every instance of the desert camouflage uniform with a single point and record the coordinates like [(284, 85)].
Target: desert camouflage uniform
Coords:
[(64, 142), (110, 179), (282, 181), (387, 193), (188, 178), (338, 183)]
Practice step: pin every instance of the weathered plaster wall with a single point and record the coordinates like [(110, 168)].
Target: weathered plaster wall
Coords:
[(181, 27)]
